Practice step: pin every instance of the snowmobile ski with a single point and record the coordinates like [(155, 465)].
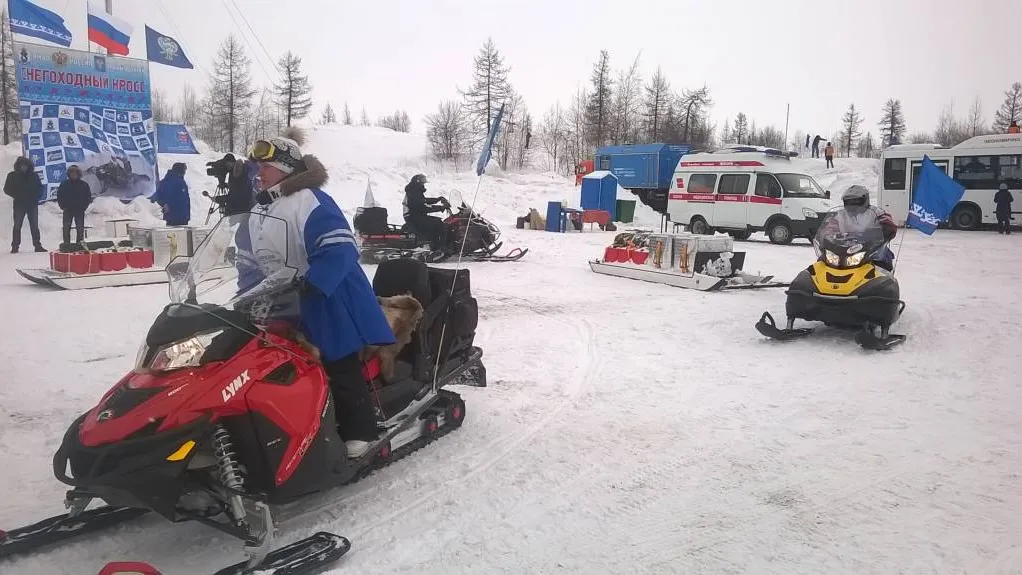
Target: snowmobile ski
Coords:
[(512, 256), (303, 557), (61, 527), (868, 339), (768, 327)]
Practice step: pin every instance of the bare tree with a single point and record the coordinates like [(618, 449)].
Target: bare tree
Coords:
[(950, 131), (553, 133), (293, 90), (189, 109), (851, 133), (866, 147), (163, 111), (1011, 109), (447, 131), (399, 122), (263, 121), (515, 134), (975, 124), (921, 138), (769, 137), (9, 101), (490, 87), (347, 115), (693, 104), (892, 125), (577, 136), (627, 99), (365, 117), (598, 108), (329, 117), (658, 95), (230, 92)]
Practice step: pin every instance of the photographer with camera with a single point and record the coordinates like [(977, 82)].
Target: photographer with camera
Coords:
[(234, 193)]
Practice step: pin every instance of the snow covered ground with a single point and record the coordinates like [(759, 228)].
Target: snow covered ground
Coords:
[(628, 427)]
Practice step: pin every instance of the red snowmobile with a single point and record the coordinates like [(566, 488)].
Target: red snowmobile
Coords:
[(227, 415), (382, 241)]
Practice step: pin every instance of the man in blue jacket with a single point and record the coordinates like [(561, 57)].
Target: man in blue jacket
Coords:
[(172, 197), (340, 312)]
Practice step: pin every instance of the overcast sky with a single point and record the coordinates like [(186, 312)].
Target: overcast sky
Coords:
[(755, 56)]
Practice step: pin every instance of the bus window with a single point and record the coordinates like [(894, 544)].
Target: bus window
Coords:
[(895, 173), (767, 186), (1009, 170), (976, 172)]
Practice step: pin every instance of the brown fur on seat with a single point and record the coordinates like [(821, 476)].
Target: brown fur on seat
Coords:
[(403, 314)]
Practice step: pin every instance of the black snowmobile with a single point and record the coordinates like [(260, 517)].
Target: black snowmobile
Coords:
[(845, 287), (227, 419), (381, 241)]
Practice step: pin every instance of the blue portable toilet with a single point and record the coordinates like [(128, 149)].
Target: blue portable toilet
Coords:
[(599, 192)]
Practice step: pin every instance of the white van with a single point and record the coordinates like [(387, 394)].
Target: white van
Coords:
[(745, 189)]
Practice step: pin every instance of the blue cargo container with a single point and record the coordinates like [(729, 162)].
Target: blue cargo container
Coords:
[(644, 169)]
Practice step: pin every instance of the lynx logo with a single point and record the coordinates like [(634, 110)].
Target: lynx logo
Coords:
[(235, 386)]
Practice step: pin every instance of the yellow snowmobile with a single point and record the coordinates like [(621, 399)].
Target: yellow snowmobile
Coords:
[(847, 286)]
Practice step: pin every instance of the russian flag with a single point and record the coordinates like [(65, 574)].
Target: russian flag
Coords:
[(108, 31)]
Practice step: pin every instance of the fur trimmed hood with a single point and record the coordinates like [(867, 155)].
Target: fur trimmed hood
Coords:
[(314, 176)]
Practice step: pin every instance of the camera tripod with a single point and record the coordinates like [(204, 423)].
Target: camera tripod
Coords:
[(218, 202)]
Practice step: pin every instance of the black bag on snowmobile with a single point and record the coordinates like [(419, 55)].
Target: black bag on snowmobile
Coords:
[(462, 315), (371, 221)]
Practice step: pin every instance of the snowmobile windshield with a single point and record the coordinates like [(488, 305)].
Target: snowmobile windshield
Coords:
[(243, 265), (800, 186), (849, 235)]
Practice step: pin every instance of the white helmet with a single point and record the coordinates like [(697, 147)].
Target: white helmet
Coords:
[(855, 196)]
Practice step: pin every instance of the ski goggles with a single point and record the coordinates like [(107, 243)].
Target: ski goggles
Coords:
[(263, 151)]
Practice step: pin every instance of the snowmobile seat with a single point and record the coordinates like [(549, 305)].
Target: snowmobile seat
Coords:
[(409, 276)]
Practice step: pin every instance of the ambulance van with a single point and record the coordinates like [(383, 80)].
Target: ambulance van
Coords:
[(741, 190)]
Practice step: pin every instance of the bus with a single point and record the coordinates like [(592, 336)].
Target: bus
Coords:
[(979, 164)]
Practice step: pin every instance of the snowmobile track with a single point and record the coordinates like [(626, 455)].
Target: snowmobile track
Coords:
[(498, 448)]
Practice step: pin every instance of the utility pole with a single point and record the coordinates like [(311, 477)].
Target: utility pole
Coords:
[(787, 114)]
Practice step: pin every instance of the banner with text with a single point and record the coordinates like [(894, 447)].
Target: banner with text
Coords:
[(89, 110)]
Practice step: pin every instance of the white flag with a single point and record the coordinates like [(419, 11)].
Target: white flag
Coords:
[(370, 201)]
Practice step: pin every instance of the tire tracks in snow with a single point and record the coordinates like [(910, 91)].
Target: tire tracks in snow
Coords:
[(494, 451)]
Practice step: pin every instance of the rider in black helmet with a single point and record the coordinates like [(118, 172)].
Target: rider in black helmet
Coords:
[(417, 208)]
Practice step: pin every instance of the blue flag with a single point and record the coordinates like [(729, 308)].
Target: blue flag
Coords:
[(484, 154), (31, 20), (174, 139), (936, 194), (163, 49)]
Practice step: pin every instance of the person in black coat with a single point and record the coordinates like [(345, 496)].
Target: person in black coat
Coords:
[(240, 194), (24, 186), (417, 207), (74, 196), (1003, 200), (816, 146)]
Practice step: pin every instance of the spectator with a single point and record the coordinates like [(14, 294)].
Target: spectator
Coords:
[(816, 146), (828, 153), (240, 195), (172, 197), (1003, 200), (73, 197), (24, 187)]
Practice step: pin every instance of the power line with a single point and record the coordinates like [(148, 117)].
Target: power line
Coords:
[(254, 35), (245, 39)]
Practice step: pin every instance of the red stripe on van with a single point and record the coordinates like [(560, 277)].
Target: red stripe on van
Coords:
[(763, 200), (743, 163)]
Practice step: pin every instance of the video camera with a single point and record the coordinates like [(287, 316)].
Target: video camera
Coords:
[(221, 169)]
